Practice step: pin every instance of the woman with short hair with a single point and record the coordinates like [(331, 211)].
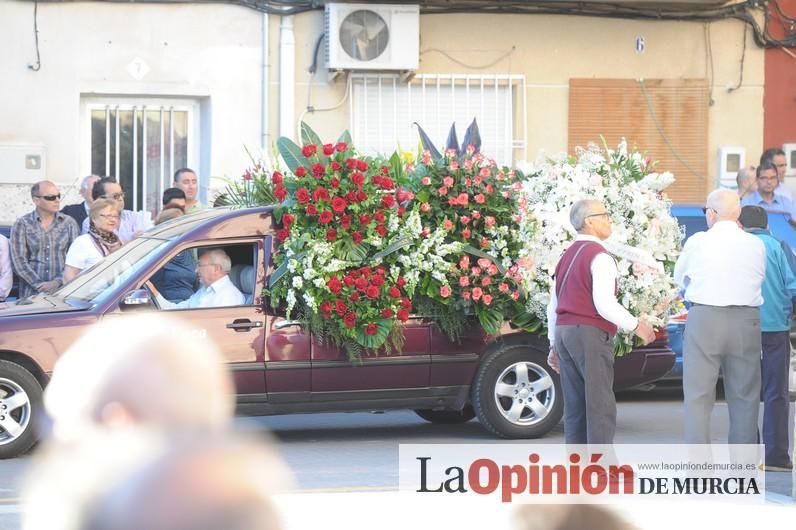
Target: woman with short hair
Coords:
[(88, 249)]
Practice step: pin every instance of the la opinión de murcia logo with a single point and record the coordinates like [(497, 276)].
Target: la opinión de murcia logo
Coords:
[(484, 476)]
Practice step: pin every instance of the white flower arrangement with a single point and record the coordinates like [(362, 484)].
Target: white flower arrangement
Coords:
[(646, 239)]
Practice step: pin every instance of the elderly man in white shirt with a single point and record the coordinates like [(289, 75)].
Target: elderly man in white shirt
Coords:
[(722, 271), (217, 289)]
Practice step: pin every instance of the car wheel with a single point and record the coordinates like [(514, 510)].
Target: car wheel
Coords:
[(447, 417), (20, 406), (516, 395)]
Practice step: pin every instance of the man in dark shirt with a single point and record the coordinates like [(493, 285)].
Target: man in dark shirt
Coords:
[(79, 211)]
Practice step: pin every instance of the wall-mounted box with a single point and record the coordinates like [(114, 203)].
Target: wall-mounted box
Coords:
[(731, 160), (22, 164)]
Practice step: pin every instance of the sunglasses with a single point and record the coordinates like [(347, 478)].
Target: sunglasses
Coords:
[(49, 197), (598, 215), (706, 208)]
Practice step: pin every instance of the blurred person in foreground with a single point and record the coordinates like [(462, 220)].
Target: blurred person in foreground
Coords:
[(569, 517), (146, 478), (149, 370)]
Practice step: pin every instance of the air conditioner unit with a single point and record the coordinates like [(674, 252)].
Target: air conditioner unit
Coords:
[(372, 36), (790, 156), (731, 160)]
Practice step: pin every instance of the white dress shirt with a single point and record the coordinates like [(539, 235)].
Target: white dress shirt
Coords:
[(603, 275), (722, 267), (220, 293)]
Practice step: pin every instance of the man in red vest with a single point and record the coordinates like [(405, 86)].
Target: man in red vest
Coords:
[(582, 320)]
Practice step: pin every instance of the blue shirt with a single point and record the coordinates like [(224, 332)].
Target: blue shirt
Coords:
[(779, 204), (779, 285), (176, 279)]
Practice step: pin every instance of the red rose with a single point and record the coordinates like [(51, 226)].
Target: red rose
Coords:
[(375, 180), (351, 196), (361, 284), (386, 313), (348, 281), (351, 163), (340, 147), (372, 292), (302, 195), (406, 303), (282, 234), (364, 219), (331, 235), (334, 183), (335, 165), (354, 297), (385, 170), (338, 205), (325, 217), (361, 196), (371, 329), (395, 292), (280, 193), (358, 179), (401, 211), (345, 221), (334, 285), (326, 307), (388, 201), (340, 307), (328, 149), (400, 282), (387, 184), (357, 236), (362, 165), (350, 320), (276, 177), (403, 315), (377, 280), (287, 220), (382, 230), (379, 216), (365, 271), (309, 150), (320, 194), (381, 270), (301, 171), (318, 170), (311, 210)]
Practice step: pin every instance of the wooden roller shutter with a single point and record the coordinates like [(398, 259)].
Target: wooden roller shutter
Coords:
[(665, 118)]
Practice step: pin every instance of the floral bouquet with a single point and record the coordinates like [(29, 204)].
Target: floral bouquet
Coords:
[(646, 239)]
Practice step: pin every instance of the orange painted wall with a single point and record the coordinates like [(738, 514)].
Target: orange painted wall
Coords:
[(779, 99)]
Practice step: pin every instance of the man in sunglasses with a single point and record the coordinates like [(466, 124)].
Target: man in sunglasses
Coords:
[(39, 241), (131, 224)]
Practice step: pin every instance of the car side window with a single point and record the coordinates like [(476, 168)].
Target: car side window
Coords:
[(207, 276)]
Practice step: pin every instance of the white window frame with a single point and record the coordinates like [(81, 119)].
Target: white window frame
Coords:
[(192, 107), (476, 88)]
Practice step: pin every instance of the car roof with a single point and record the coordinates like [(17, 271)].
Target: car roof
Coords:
[(216, 223)]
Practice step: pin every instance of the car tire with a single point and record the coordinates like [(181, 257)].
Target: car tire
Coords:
[(511, 405), (20, 409), (447, 417)]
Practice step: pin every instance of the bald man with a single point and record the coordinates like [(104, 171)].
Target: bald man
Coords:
[(722, 272)]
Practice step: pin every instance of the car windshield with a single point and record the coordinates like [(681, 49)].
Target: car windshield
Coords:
[(101, 280)]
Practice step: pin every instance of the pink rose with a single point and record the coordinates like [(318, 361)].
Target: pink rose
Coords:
[(466, 233), (444, 291), (486, 280), (425, 181), (425, 207), (463, 199), (515, 295), (480, 199), (475, 214), (448, 181), (503, 287), (466, 295), (476, 271), (447, 224), (489, 220), (487, 299), (477, 292), (443, 190), (464, 281), (454, 165), (483, 263), (464, 263)]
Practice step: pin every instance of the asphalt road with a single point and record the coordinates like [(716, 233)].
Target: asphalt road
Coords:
[(358, 452)]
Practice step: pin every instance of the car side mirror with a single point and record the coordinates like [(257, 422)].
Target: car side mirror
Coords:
[(138, 298)]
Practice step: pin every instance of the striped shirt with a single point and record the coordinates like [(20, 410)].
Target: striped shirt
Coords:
[(39, 255)]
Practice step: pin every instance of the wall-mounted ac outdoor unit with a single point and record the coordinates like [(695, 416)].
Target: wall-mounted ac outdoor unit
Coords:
[(372, 36)]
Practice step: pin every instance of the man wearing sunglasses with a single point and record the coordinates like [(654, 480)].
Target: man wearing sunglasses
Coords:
[(131, 224), (39, 241)]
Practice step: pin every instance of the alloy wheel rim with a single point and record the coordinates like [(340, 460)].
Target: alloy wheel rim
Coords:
[(525, 393), (15, 411)]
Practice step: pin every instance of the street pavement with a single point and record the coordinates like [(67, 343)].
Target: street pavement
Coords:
[(358, 452)]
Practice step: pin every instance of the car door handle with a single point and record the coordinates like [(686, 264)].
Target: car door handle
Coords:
[(282, 324), (243, 324)]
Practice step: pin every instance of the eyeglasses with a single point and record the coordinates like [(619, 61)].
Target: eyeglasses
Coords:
[(598, 215), (50, 198), (706, 208), (110, 216), (114, 196)]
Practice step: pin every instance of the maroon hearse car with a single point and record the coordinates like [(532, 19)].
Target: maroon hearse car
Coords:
[(276, 365)]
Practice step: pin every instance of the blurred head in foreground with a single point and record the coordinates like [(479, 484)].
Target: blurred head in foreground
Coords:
[(133, 479), (569, 517), (149, 370)]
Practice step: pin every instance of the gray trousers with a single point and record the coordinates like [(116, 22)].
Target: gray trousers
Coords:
[(726, 338), (586, 355)]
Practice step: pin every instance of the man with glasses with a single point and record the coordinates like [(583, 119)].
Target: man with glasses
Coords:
[(767, 196), (777, 157), (131, 224), (722, 272), (39, 241), (582, 318), (216, 290)]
